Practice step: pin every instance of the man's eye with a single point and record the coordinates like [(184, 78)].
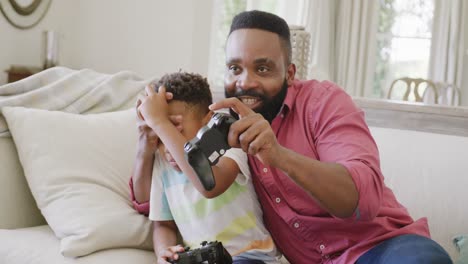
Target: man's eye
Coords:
[(233, 68), (263, 69)]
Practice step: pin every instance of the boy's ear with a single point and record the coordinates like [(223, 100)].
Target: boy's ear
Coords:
[(207, 117)]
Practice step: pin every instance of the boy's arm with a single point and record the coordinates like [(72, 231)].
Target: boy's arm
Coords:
[(154, 110), (225, 172), (140, 182), (165, 239)]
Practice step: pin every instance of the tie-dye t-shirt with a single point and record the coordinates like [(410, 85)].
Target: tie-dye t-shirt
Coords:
[(233, 218)]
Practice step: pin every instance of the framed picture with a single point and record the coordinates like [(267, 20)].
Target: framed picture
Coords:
[(24, 14)]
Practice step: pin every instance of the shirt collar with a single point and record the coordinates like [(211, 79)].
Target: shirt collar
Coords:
[(290, 99)]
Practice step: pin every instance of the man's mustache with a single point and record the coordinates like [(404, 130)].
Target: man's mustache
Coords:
[(248, 93)]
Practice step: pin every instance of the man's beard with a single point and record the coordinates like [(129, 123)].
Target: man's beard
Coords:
[(270, 106)]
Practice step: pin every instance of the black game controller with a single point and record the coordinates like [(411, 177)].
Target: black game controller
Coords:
[(208, 146), (209, 252)]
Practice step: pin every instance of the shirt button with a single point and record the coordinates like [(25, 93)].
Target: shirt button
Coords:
[(326, 256), (296, 225), (278, 200), (282, 115), (322, 247), (265, 170)]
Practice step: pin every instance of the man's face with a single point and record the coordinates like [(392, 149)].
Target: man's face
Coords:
[(192, 121), (257, 71)]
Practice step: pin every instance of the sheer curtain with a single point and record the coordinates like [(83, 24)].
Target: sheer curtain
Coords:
[(343, 39), (319, 18), (449, 43), (343, 42)]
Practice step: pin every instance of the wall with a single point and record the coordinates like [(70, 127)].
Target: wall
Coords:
[(23, 47), (464, 87), (427, 173), (150, 38)]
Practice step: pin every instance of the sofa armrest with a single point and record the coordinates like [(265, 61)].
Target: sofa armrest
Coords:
[(17, 206)]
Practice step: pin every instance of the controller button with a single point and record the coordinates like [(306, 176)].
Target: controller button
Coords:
[(187, 146)]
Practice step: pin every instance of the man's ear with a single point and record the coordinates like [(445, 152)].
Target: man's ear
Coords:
[(207, 117), (291, 73)]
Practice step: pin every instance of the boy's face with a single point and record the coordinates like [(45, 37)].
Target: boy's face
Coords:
[(192, 121)]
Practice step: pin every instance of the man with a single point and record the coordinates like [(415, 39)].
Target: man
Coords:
[(316, 166), (314, 163)]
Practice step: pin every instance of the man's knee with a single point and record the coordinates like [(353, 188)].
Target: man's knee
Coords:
[(419, 249), (406, 249)]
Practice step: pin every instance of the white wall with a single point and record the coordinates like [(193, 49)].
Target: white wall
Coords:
[(149, 37), (428, 174), (464, 87), (23, 47)]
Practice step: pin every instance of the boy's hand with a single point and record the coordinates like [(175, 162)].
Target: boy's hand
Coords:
[(148, 140), (169, 253), (154, 108)]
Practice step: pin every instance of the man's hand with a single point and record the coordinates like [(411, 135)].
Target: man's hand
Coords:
[(252, 132), (169, 253)]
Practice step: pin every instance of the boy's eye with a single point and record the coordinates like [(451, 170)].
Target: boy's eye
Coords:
[(263, 69)]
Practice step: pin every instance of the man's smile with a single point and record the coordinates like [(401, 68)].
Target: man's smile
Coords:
[(250, 101)]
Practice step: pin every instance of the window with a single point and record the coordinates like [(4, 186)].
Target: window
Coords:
[(224, 12), (403, 42)]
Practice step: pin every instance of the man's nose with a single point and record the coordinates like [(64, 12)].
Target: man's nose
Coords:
[(247, 81)]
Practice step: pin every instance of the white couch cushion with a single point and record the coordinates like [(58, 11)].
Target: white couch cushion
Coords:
[(78, 167), (428, 174), (38, 245)]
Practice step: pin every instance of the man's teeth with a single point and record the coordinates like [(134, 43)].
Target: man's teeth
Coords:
[(249, 101)]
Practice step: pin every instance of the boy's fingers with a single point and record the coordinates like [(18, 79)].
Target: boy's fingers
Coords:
[(165, 254), (169, 95), (149, 90), (175, 119), (140, 116), (162, 90), (179, 248), (138, 103)]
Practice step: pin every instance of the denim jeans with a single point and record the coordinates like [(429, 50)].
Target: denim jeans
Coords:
[(406, 249)]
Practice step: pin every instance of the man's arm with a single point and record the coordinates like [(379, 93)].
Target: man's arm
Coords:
[(329, 183)]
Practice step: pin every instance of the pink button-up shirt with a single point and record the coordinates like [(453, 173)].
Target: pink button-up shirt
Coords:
[(320, 121)]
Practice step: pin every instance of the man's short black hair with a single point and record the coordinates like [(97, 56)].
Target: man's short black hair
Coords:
[(265, 21), (190, 88)]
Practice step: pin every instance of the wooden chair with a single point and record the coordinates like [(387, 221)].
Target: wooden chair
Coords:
[(414, 85), (449, 94)]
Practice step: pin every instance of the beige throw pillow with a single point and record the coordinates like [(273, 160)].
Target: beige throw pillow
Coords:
[(78, 167)]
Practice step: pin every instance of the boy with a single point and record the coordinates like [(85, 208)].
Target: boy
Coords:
[(230, 213)]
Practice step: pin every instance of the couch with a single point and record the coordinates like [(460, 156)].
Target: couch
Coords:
[(423, 156)]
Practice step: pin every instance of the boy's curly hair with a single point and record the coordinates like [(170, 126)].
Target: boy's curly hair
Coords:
[(190, 88)]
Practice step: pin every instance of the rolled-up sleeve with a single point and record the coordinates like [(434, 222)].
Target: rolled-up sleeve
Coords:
[(142, 208), (342, 136)]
